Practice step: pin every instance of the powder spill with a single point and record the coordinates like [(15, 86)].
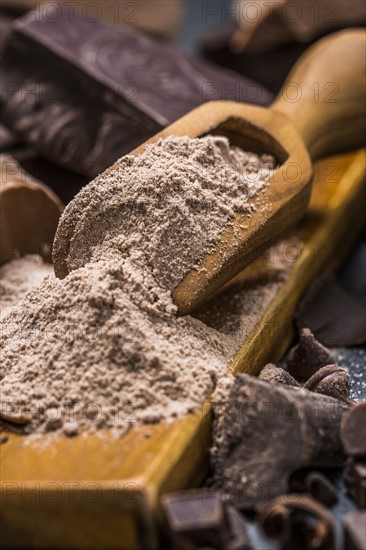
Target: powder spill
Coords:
[(103, 347), (18, 277)]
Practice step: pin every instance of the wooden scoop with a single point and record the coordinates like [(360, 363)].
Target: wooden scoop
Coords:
[(320, 111)]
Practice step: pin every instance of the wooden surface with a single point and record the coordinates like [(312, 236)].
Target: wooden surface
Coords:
[(97, 492), (29, 213)]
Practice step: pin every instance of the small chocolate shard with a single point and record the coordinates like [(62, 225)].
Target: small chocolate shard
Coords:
[(195, 519), (331, 380), (334, 316), (277, 375), (355, 531), (307, 357), (321, 488), (353, 430), (239, 539), (354, 476), (298, 521), (269, 431)]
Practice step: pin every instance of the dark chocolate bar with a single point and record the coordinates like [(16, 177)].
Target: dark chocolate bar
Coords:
[(84, 93)]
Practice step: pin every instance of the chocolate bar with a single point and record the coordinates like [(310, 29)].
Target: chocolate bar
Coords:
[(84, 93)]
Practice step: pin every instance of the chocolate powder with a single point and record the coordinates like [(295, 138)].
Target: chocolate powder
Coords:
[(18, 277), (165, 208), (103, 348)]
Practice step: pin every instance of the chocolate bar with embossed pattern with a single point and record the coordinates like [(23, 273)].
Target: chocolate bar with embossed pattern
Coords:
[(85, 93)]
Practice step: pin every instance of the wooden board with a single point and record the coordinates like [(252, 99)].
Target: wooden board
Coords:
[(97, 492)]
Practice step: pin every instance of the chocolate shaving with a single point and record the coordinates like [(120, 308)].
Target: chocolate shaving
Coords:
[(335, 318), (266, 433), (300, 522), (307, 357)]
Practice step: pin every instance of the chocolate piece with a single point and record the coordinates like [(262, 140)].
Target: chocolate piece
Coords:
[(29, 213), (307, 357), (333, 315), (277, 375), (321, 488), (300, 522), (239, 539), (331, 380), (355, 480), (64, 183), (353, 430), (8, 140), (158, 17), (195, 519), (355, 531), (85, 93), (267, 432)]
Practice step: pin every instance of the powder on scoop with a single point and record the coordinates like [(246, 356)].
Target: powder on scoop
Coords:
[(103, 348), (165, 208)]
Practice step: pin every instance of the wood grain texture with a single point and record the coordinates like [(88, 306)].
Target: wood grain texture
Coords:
[(97, 492), (324, 94)]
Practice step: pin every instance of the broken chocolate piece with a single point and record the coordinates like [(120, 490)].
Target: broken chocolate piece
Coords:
[(29, 213), (355, 531), (355, 480), (239, 539), (277, 375), (331, 380), (298, 521), (321, 488), (195, 519), (333, 315), (8, 140), (266, 433), (353, 430), (85, 93), (307, 357)]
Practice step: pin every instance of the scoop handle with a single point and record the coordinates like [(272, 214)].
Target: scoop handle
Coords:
[(324, 94)]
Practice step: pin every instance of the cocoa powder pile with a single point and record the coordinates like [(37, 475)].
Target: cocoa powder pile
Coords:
[(103, 348), (18, 277)]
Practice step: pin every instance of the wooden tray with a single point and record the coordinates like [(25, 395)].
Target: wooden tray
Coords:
[(98, 492)]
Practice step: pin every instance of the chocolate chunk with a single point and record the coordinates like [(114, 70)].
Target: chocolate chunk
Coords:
[(85, 93), (300, 522), (353, 430), (355, 531), (331, 380), (333, 315), (355, 480), (29, 213), (267, 432), (307, 357), (239, 539), (321, 488), (277, 375), (195, 519), (8, 140)]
